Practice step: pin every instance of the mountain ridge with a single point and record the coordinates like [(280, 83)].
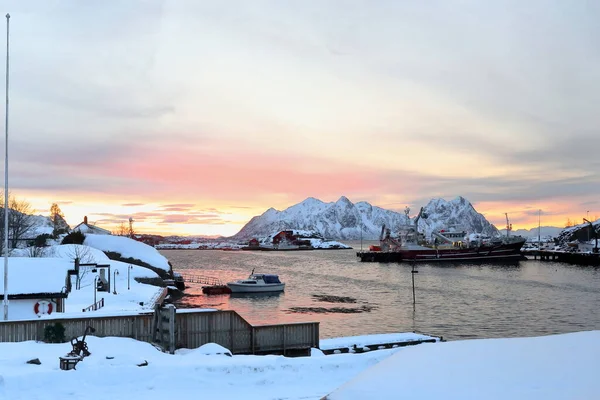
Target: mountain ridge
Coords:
[(344, 220)]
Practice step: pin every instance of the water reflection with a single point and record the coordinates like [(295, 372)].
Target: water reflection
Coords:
[(464, 301), (256, 296)]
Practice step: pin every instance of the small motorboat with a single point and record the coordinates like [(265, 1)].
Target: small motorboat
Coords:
[(257, 283)]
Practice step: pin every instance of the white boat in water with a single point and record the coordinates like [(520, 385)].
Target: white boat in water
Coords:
[(257, 283)]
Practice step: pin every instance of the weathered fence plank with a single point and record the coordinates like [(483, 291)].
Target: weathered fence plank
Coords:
[(189, 329)]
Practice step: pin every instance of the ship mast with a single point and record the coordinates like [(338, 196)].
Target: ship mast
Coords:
[(508, 225)]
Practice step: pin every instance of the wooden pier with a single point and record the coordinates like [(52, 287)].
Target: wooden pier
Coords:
[(361, 344), (564, 256), (201, 279)]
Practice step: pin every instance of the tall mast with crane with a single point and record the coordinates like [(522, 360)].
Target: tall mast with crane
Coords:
[(508, 226)]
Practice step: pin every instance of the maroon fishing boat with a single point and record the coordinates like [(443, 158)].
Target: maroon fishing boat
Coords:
[(445, 246)]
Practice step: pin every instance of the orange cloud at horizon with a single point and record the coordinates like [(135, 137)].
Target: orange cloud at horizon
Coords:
[(213, 191), (194, 219)]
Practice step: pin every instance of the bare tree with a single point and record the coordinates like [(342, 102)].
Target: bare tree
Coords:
[(121, 230), (131, 231), (85, 256), (20, 221), (57, 217), (36, 251)]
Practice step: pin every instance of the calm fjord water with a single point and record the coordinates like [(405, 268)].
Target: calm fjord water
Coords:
[(456, 302)]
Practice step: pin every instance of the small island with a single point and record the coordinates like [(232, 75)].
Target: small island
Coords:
[(286, 240)]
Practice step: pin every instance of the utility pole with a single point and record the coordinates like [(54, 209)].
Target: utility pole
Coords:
[(5, 300), (539, 229), (412, 273)]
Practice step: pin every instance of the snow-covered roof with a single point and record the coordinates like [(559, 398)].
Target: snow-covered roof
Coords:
[(128, 248), (29, 275), (86, 254), (92, 229)]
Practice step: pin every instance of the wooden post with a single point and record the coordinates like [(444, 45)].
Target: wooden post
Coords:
[(412, 273), (231, 333), (284, 339), (77, 282), (171, 309), (156, 323)]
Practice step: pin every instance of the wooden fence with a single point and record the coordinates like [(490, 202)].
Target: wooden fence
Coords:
[(193, 328), (230, 330)]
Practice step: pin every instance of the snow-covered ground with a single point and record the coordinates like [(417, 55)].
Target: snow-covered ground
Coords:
[(551, 367), (128, 248), (48, 275)]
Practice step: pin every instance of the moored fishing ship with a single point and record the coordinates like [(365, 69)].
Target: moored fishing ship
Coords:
[(446, 246)]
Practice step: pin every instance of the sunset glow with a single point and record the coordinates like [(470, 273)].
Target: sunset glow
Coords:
[(192, 117)]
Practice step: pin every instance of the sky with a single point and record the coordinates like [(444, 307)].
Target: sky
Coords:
[(193, 116)]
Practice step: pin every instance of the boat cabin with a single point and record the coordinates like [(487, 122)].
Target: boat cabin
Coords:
[(266, 278)]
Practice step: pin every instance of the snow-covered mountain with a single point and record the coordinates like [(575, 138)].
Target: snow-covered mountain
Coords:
[(343, 220)]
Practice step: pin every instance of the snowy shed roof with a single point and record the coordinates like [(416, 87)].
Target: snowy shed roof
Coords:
[(29, 275)]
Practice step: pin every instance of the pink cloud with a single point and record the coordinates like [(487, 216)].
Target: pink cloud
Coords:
[(243, 174)]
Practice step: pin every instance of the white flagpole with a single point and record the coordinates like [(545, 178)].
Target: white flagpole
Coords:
[(5, 300)]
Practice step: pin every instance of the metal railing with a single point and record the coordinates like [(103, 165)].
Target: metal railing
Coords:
[(96, 306), (201, 279)]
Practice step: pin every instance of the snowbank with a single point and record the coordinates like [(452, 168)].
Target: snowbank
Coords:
[(550, 367), (128, 248)]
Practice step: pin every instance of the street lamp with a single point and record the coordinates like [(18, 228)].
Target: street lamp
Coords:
[(115, 281), (128, 275)]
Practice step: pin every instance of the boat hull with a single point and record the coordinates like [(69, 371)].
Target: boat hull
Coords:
[(503, 252), (216, 289), (247, 288)]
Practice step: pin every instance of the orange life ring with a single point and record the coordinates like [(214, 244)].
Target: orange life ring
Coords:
[(42, 307)]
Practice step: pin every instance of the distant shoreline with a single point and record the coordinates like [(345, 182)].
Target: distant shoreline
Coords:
[(236, 250)]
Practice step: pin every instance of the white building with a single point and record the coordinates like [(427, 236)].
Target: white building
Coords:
[(36, 286), (85, 228)]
